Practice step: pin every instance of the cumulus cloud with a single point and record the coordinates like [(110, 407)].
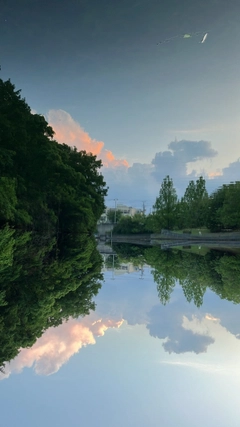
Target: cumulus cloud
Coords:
[(131, 185), (141, 181), (168, 323), (232, 172), (187, 341), (215, 174), (58, 345), (174, 161), (167, 163), (229, 174), (192, 151), (68, 131)]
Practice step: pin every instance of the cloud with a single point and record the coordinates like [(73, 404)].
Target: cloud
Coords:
[(180, 153), (205, 367), (68, 131), (213, 175), (170, 324), (231, 172), (132, 185), (226, 176), (196, 130), (141, 181), (192, 151), (187, 341), (167, 163), (58, 345)]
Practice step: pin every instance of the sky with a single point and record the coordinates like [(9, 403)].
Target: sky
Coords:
[(132, 362), (99, 74)]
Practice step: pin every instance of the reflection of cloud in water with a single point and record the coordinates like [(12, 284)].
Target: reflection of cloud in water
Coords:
[(58, 345), (205, 367), (186, 341), (170, 324)]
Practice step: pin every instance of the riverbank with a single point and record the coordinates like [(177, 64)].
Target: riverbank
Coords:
[(174, 239)]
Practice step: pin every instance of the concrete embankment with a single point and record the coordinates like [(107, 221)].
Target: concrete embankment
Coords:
[(176, 238)]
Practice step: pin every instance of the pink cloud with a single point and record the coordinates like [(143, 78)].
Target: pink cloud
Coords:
[(70, 132), (58, 345), (212, 175)]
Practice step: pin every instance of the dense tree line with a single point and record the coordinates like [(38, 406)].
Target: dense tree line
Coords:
[(137, 224), (219, 211), (44, 185), (51, 197), (217, 270)]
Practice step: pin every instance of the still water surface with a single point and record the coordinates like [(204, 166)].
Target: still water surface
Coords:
[(161, 347)]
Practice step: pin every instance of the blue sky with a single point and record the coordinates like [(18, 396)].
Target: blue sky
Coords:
[(99, 62)]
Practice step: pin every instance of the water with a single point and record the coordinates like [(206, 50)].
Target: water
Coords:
[(161, 347)]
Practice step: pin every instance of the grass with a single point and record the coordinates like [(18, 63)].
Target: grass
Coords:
[(194, 231), (194, 249)]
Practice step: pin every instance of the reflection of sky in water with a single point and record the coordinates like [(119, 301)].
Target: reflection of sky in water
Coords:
[(132, 362)]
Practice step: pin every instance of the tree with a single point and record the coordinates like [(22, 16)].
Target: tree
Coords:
[(137, 224), (165, 207), (193, 205), (114, 216), (224, 208), (216, 270), (42, 283), (229, 213), (49, 186)]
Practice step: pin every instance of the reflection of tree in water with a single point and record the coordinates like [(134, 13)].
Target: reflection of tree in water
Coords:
[(42, 284), (218, 271), (111, 260), (163, 273)]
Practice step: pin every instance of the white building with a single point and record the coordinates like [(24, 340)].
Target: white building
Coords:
[(125, 210)]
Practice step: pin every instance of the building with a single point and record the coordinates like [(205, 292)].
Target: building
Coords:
[(125, 211)]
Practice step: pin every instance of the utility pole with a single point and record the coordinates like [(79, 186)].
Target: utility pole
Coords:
[(144, 209), (115, 214)]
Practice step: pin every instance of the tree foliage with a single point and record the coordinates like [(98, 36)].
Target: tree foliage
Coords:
[(217, 270), (44, 185), (193, 205), (51, 197), (165, 206), (114, 216), (43, 283), (137, 224), (224, 208)]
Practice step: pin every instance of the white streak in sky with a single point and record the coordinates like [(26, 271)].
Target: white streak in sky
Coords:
[(204, 38)]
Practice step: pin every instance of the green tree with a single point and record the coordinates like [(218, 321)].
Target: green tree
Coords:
[(165, 207), (224, 208), (137, 224), (42, 283), (114, 217), (229, 213), (194, 204), (216, 270), (49, 186)]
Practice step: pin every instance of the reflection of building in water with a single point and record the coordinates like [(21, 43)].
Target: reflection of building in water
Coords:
[(111, 263)]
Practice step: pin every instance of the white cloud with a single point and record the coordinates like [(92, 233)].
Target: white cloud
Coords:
[(57, 345)]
